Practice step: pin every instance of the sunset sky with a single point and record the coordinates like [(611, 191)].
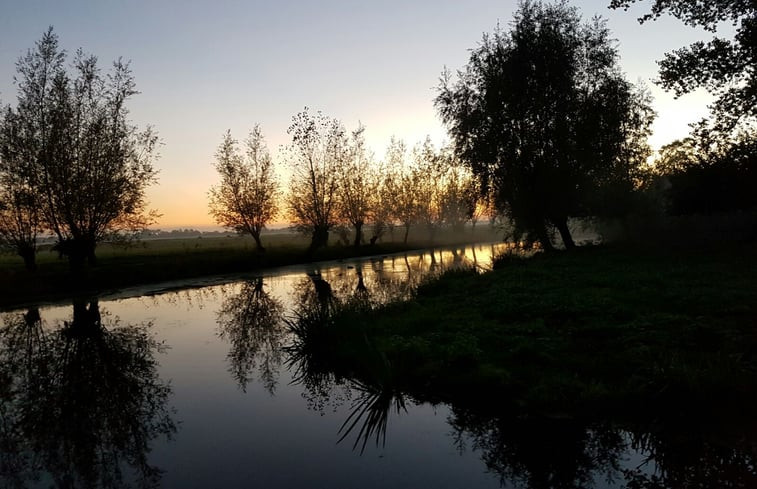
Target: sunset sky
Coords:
[(204, 67)]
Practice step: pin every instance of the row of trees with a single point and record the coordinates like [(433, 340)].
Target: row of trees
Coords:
[(543, 124), (337, 183)]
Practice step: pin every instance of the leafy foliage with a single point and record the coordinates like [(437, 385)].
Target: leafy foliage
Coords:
[(724, 67), (252, 323), (20, 218), (82, 401), (88, 166), (246, 198), (706, 175), (545, 119), (317, 154), (357, 187)]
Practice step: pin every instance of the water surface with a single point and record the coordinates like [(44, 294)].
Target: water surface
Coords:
[(196, 387)]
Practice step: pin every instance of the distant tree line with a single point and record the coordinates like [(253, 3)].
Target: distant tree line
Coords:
[(544, 128), (705, 174)]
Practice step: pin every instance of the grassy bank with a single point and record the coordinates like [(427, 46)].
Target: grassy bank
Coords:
[(158, 260), (566, 334)]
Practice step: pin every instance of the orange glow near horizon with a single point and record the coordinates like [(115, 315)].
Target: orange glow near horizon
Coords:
[(181, 197)]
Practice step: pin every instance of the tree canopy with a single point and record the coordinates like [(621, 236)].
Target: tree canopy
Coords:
[(316, 156), (546, 120), (246, 198), (706, 176), (724, 67), (70, 141)]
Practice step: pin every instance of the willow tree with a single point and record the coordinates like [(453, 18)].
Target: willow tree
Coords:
[(20, 218), (459, 195), (89, 164), (319, 150), (427, 176), (246, 198), (382, 184), (401, 186), (357, 187), (544, 117)]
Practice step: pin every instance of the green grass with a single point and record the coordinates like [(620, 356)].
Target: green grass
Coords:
[(567, 333), (160, 260)]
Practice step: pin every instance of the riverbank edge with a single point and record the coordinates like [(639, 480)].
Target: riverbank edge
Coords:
[(601, 329), (54, 282)]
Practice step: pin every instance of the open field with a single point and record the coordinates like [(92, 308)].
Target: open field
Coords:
[(159, 260)]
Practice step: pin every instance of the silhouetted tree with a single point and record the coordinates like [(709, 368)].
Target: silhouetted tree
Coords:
[(20, 218), (677, 156), (317, 154), (427, 175), (246, 198), (90, 164), (400, 185), (724, 67), (705, 174), (459, 194), (543, 116), (541, 453), (383, 185), (356, 187)]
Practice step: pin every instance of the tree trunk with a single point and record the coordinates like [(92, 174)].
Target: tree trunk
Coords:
[(32, 316), (79, 251), (319, 238), (76, 257), (562, 226), (91, 258), (543, 236), (358, 234), (407, 231), (258, 244), (360, 282), (29, 254), (323, 292), (86, 320)]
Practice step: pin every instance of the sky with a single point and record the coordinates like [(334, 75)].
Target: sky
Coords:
[(203, 67)]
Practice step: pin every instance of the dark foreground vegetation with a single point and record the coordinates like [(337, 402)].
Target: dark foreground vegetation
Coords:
[(604, 330), (558, 366)]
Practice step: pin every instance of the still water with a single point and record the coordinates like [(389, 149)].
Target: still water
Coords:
[(194, 386)]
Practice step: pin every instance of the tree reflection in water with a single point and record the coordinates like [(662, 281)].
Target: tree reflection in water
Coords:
[(636, 450), (308, 352), (542, 453), (564, 453), (372, 395), (252, 322), (81, 401)]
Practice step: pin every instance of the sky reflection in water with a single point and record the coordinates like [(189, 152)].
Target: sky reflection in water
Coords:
[(197, 388)]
